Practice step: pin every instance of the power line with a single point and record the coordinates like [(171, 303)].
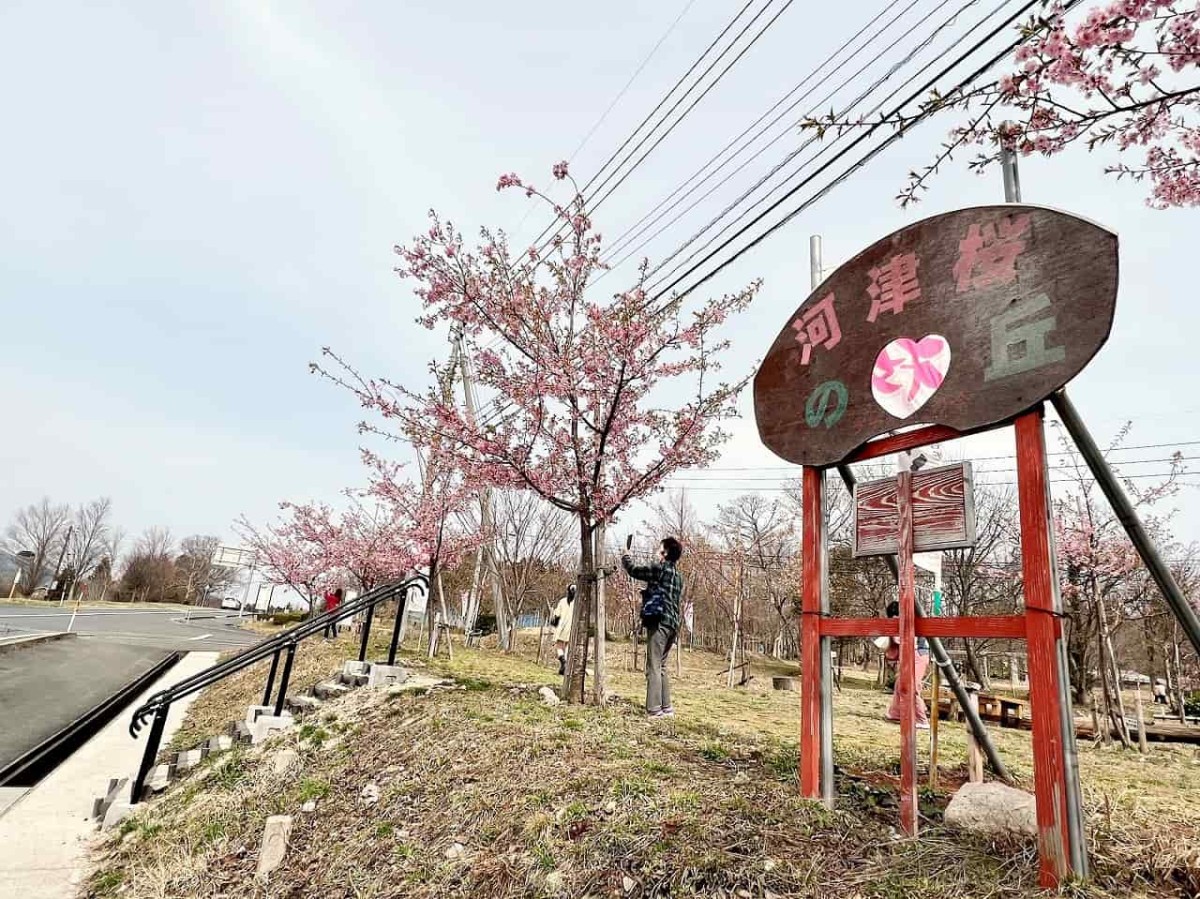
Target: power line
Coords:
[(632, 79), (628, 237), (976, 470), (620, 94), (593, 206), (896, 135), (666, 97), (973, 459), (591, 202), (1004, 482)]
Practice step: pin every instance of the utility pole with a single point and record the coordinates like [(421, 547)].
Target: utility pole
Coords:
[(1076, 849), (58, 568), (487, 550)]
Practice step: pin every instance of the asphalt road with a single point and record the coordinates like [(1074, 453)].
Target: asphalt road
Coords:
[(207, 630), (46, 686)]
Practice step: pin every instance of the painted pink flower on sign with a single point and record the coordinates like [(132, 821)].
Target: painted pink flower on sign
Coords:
[(908, 372)]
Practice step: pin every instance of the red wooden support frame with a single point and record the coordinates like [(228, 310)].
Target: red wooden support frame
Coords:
[(811, 558), (1006, 627), (905, 680), (1045, 688), (1040, 626)]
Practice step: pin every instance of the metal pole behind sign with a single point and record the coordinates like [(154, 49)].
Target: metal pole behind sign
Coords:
[(1076, 848), (827, 782)]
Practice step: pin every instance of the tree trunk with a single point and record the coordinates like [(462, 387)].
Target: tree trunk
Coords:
[(573, 682), (976, 666), (432, 604), (598, 680), (499, 604), (1110, 671), (1179, 679)]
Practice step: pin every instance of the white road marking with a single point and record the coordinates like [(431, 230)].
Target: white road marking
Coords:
[(201, 637)]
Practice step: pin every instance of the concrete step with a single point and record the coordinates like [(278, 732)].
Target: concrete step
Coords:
[(160, 778), (301, 704), (355, 673), (239, 731), (330, 690), (186, 761)]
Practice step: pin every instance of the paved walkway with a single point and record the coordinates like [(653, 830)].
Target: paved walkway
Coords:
[(44, 833), (46, 686)]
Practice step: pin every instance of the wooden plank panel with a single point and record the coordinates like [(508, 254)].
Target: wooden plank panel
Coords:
[(1042, 650), (811, 562), (943, 512), (964, 319), (906, 677)]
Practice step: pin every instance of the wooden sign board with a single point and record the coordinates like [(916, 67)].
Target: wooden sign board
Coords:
[(965, 319), (943, 512)]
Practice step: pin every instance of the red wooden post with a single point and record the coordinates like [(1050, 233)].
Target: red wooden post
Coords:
[(905, 680), (810, 635), (1043, 632)]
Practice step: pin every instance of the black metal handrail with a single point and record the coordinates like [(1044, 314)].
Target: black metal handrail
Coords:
[(159, 703)]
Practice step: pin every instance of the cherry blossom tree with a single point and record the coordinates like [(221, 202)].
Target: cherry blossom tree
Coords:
[(588, 410), (388, 529), (1122, 74), (1102, 575)]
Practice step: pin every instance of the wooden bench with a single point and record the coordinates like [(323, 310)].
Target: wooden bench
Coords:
[(1009, 712)]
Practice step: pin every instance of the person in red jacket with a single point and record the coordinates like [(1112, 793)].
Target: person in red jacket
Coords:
[(332, 601)]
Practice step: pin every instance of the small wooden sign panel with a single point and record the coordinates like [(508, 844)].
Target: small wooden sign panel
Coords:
[(943, 512)]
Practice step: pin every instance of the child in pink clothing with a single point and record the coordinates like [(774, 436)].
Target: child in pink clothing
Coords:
[(921, 666)]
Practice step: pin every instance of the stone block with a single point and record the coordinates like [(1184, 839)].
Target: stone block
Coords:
[(274, 843), (386, 676), (993, 809), (186, 761), (549, 697), (240, 732), (283, 760), (355, 673), (254, 711), (160, 778), (103, 803), (266, 725), (116, 813), (300, 703), (330, 690), (219, 743)]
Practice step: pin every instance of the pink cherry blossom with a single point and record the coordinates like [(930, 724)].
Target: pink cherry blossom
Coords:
[(1095, 76)]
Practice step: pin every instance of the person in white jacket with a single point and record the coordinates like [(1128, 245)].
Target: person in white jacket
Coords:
[(560, 620)]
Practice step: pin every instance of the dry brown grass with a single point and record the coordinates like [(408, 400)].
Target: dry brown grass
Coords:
[(573, 801)]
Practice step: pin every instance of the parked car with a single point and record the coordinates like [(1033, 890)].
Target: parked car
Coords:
[(230, 603)]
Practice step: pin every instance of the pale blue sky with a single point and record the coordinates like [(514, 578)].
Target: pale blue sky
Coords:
[(198, 196)]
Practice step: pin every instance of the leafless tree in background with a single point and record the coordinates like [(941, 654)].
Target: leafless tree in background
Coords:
[(39, 528), (983, 579), (155, 541), (89, 538), (195, 568), (532, 539)]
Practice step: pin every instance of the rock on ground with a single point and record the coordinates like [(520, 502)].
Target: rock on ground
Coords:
[(993, 809), (549, 696), (274, 843)]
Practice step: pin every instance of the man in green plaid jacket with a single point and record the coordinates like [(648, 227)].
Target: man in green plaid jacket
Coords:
[(660, 630)]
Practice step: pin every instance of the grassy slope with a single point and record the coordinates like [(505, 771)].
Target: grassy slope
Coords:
[(568, 801)]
